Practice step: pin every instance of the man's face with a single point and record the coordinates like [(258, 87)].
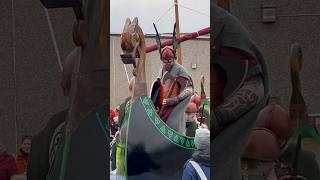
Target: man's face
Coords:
[(167, 64), (26, 145)]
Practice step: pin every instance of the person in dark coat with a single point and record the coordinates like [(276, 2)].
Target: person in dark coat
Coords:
[(201, 157)]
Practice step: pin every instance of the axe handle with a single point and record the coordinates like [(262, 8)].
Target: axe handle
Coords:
[(202, 117), (168, 95)]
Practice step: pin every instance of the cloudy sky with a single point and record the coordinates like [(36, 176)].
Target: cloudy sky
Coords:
[(162, 13)]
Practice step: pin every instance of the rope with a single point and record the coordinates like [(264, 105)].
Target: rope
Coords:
[(156, 20), (193, 10), (53, 38), (166, 12), (125, 69), (14, 72), (68, 137), (14, 63)]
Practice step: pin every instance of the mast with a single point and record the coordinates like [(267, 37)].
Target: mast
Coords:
[(177, 30)]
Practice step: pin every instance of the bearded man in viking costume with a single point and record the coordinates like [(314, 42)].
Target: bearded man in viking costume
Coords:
[(171, 94), (173, 88), (172, 91)]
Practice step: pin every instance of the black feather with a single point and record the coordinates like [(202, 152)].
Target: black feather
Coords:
[(158, 40), (174, 40)]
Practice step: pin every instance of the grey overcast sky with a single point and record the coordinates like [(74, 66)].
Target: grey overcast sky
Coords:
[(149, 11)]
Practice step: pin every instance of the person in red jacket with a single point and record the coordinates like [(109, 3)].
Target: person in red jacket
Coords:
[(22, 156), (112, 115), (7, 164)]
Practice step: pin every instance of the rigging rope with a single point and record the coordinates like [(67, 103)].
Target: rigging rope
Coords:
[(53, 38), (14, 73), (14, 64), (193, 10), (125, 69), (166, 12), (183, 6), (156, 20)]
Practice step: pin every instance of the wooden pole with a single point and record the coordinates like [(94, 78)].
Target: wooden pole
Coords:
[(178, 30)]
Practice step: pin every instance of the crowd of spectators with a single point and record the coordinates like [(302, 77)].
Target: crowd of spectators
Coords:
[(14, 167)]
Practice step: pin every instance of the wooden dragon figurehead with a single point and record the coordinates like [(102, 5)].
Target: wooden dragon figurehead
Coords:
[(133, 47)]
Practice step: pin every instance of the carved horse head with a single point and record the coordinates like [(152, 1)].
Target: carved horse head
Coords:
[(296, 58), (133, 47), (298, 110), (132, 43)]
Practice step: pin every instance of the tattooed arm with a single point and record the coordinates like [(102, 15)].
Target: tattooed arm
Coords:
[(239, 103), (184, 94)]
